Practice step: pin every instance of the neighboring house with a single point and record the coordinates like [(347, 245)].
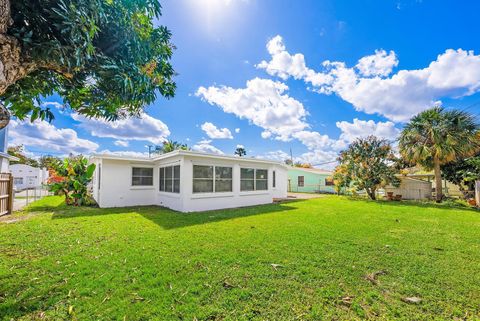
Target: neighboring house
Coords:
[(411, 188), (310, 180), (26, 176), (4, 157), (187, 181)]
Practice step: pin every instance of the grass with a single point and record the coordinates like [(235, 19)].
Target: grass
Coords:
[(151, 263)]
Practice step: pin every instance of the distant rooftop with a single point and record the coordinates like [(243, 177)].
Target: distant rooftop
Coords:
[(313, 170)]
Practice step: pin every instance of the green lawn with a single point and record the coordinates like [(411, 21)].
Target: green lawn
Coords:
[(151, 263)]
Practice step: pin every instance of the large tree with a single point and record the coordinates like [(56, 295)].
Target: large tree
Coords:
[(105, 58), (20, 153), (367, 164), (463, 173), (436, 137)]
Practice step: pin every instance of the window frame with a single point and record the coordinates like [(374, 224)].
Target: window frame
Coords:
[(303, 181), (329, 181), (172, 178), (274, 179), (142, 185), (214, 179), (255, 189)]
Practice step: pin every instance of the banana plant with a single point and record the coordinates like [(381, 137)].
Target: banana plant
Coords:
[(76, 174)]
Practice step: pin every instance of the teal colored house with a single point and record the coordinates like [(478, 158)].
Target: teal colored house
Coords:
[(310, 180)]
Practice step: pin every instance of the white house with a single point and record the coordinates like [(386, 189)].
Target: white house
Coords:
[(187, 181), (26, 176)]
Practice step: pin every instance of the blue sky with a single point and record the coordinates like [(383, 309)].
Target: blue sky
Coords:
[(310, 76)]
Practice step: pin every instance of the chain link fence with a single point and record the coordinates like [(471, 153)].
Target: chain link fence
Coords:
[(24, 197)]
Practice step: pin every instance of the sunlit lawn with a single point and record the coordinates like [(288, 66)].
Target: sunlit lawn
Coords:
[(152, 263)]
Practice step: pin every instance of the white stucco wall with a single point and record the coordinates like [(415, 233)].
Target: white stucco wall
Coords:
[(116, 189)]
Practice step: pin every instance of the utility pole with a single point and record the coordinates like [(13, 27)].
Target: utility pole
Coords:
[(291, 156)]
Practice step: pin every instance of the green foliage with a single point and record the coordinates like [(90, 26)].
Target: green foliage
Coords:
[(151, 263), (463, 173), (368, 163), (240, 151), (436, 137), (49, 162), (76, 174), (170, 145), (436, 133), (19, 152), (104, 58)]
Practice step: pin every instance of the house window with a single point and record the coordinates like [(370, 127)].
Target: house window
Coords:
[(253, 179), (18, 180), (142, 176), (274, 179), (169, 179), (301, 181), (261, 179), (204, 180), (223, 179), (329, 181)]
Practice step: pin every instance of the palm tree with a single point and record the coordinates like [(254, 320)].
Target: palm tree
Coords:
[(436, 136), (170, 145), (240, 151)]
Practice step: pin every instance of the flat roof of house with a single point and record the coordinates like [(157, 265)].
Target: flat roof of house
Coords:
[(8, 156), (184, 153), (312, 170)]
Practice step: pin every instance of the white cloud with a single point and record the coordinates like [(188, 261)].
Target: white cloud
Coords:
[(285, 65), (49, 139), (240, 146), (277, 155), (313, 140), (454, 74), (361, 128), (121, 143), (145, 128), (263, 102), (216, 133), (206, 147), (379, 64), (237, 130), (266, 134)]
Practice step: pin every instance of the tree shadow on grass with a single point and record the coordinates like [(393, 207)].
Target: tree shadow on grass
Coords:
[(169, 219), (447, 205)]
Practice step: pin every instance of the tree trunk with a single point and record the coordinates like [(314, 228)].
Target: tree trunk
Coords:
[(477, 193), (12, 65), (438, 180), (371, 193)]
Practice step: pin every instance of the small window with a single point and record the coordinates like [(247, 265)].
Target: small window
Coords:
[(247, 179), (202, 179), (223, 179), (142, 176), (301, 181), (253, 179), (169, 179), (261, 179), (274, 179), (329, 181)]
